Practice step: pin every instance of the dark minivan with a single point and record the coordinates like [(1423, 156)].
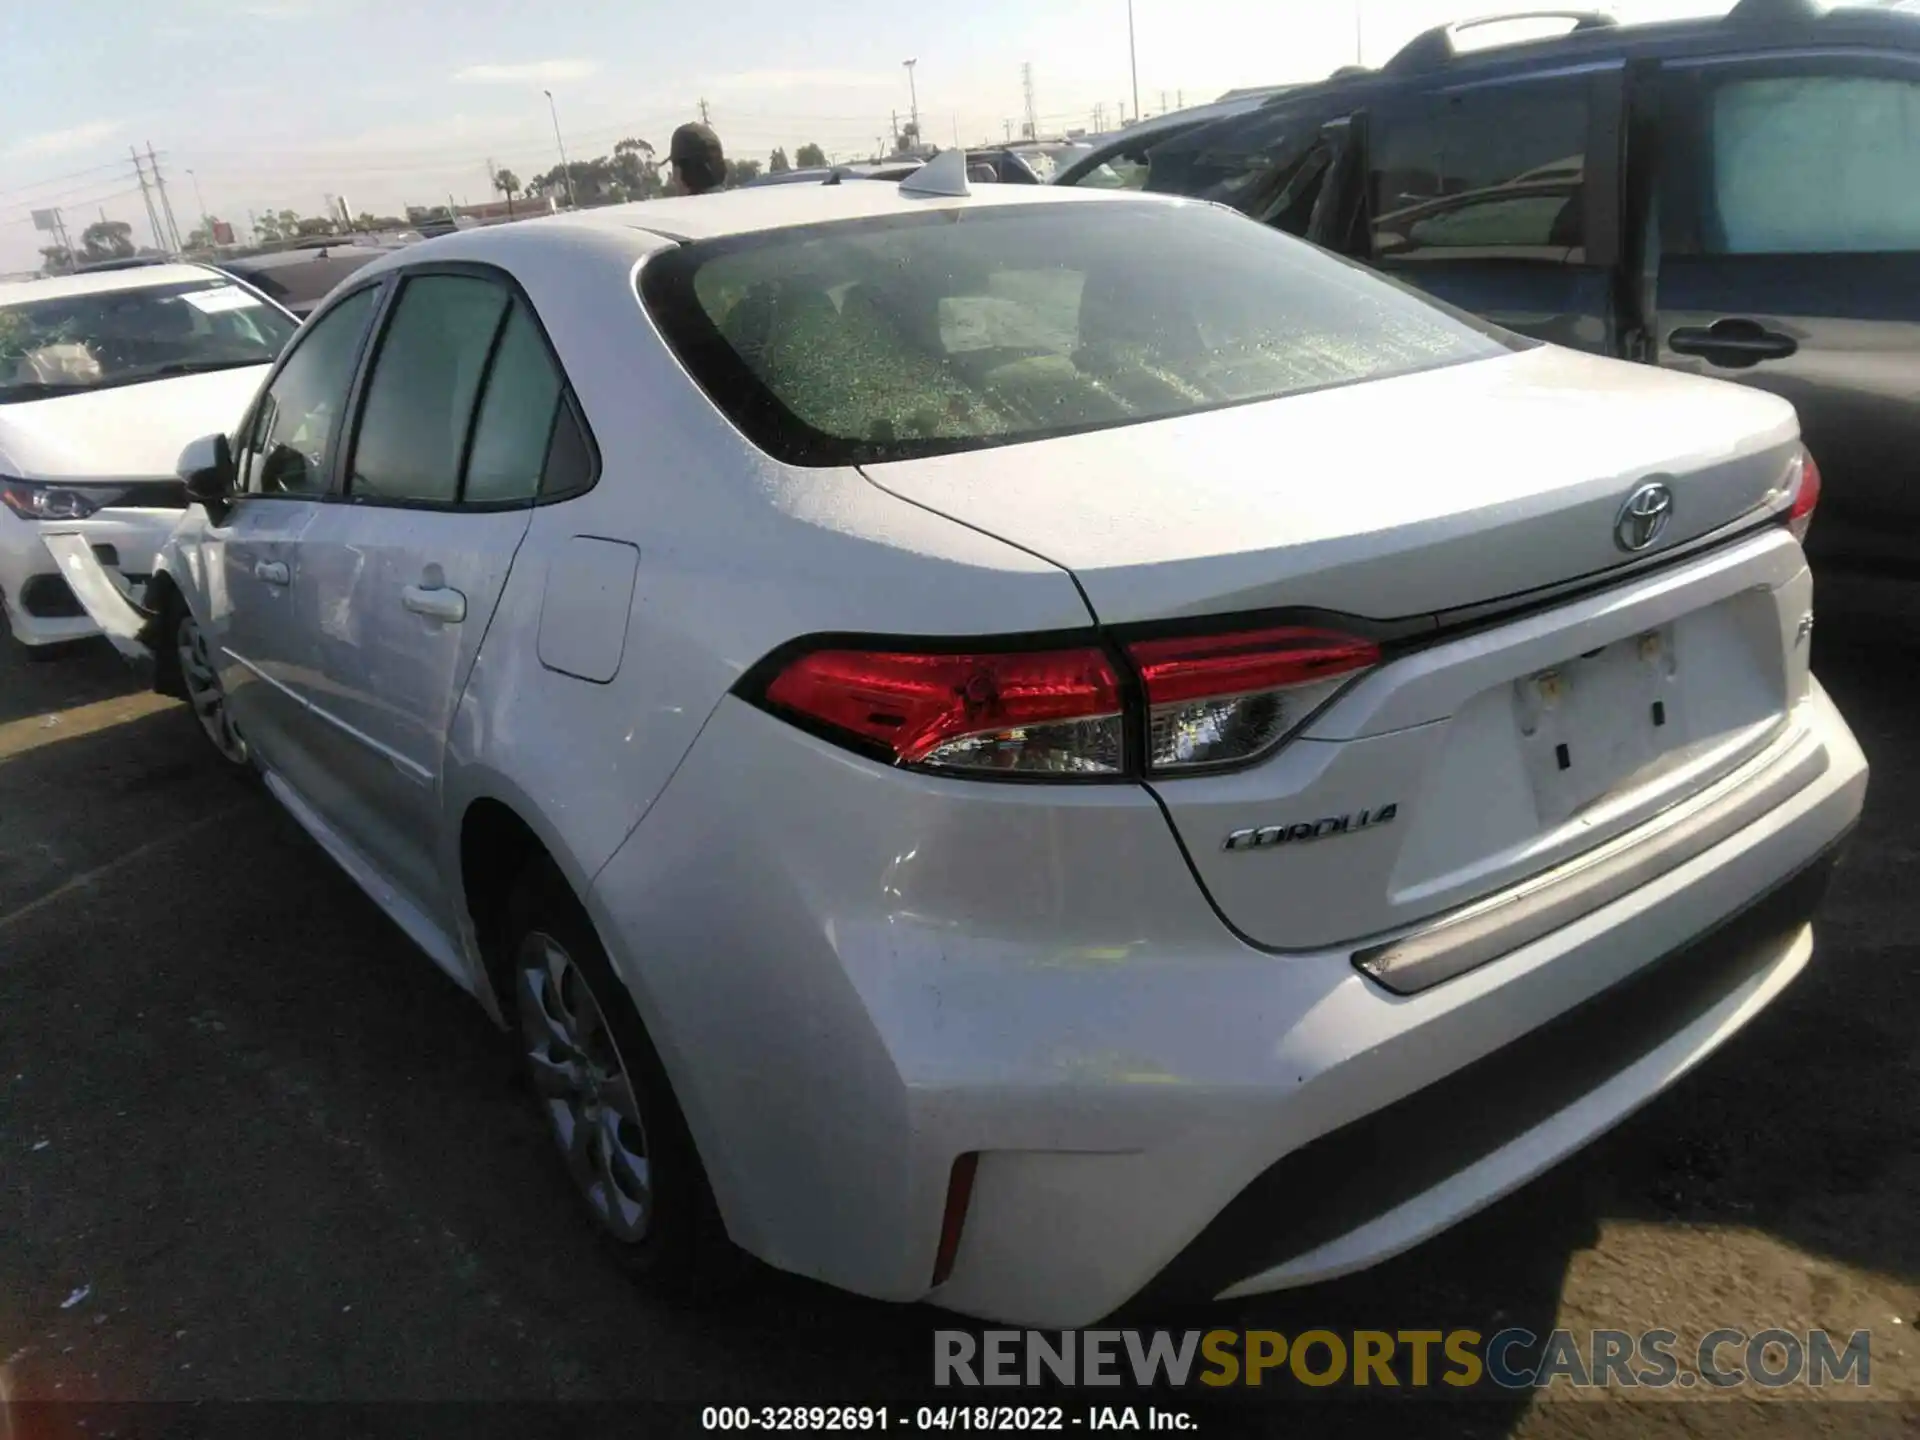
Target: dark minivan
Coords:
[(1736, 197)]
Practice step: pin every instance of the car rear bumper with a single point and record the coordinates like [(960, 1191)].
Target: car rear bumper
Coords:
[(857, 975)]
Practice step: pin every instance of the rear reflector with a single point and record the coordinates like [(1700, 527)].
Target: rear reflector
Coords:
[(1046, 712), (1806, 495), (1223, 699), (954, 1220)]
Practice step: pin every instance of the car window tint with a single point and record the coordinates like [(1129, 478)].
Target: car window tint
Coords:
[(569, 467), (1496, 173), (856, 341), (516, 416), (1814, 164), (425, 379), (287, 450)]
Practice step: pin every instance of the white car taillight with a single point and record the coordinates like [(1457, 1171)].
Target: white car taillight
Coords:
[(1201, 702), (1216, 700), (1806, 495), (1032, 712)]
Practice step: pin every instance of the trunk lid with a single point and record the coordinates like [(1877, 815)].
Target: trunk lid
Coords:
[(1388, 499), (1471, 758)]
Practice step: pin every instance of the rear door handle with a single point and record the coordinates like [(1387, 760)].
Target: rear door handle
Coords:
[(439, 603), (272, 572), (1732, 344)]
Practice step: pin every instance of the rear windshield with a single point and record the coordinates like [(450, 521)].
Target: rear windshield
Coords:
[(959, 329)]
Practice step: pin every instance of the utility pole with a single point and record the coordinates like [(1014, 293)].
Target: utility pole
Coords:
[(1133, 59), (703, 113), (1026, 84), (1358, 48), (913, 101), (146, 198), (1099, 117), (1163, 102), (206, 220), (1009, 125), (566, 170), (160, 184)]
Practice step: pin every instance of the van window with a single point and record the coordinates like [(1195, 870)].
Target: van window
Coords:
[(1496, 173), (1814, 164)]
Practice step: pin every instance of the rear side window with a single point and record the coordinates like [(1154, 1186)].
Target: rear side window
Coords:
[(1814, 164), (1493, 173), (515, 424), (954, 330)]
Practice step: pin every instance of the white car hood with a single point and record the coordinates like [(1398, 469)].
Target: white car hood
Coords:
[(128, 432)]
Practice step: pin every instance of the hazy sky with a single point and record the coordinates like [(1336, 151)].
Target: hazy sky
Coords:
[(277, 103)]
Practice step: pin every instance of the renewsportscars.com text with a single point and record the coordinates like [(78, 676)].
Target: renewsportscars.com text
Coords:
[(1511, 1359)]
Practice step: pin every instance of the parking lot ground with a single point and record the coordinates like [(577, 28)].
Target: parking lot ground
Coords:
[(252, 1145)]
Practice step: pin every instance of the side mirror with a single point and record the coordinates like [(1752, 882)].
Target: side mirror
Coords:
[(206, 465)]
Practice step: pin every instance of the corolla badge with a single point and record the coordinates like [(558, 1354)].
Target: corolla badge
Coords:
[(1262, 837), (1643, 518)]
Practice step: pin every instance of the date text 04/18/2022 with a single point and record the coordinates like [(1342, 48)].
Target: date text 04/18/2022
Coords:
[(988, 1418)]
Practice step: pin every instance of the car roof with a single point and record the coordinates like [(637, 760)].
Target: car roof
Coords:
[(776, 207), (1755, 24), (139, 277)]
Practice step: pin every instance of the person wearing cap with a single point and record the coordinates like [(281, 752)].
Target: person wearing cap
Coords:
[(697, 160)]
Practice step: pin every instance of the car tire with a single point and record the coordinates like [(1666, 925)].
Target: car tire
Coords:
[(200, 682), (599, 1085)]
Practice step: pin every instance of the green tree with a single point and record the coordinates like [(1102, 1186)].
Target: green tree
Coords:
[(741, 171), (777, 164), (810, 157), (200, 237), (107, 240), (59, 259), (319, 225), (636, 170), (508, 184)]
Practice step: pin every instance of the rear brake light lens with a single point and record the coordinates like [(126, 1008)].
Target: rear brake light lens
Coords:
[(1040, 712), (1222, 699), (1806, 495), (1210, 701)]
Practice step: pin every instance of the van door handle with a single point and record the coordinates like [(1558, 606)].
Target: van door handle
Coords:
[(436, 603), (1733, 344), (272, 572)]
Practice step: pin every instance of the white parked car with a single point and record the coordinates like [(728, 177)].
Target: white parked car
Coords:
[(1022, 748), (103, 378)]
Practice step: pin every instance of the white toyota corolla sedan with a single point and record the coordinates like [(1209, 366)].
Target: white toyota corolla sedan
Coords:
[(103, 377), (1023, 749)]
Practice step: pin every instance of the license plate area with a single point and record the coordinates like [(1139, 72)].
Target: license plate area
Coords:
[(1591, 725)]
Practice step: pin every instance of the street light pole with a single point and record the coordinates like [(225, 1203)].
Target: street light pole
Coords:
[(1133, 59), (561, 145), (206, 220), (913, 100)]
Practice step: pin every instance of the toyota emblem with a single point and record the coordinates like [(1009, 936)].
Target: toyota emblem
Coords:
[(1643, 518)]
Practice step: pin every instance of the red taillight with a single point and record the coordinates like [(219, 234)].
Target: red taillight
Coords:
[(953, 1220), (1806, 495), (1221, 699), (1038, 712), (1210, 700)]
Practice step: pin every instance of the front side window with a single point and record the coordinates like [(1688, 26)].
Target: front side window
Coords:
[(1494, 173), (868, 340), (287, 450), (105, 338), (420, 399), (1814, 164)]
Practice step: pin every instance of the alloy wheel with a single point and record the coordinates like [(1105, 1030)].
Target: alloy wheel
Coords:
[(205, 692), (585, 1088)]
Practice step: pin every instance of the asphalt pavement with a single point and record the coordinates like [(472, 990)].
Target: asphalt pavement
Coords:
[(254, 1146)]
